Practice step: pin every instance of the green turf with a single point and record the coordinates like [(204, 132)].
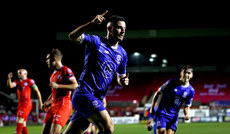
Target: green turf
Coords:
[(183, 128)]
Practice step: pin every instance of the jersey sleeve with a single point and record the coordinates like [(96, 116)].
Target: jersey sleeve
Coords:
[(32, 84), (164, 86), (15, 83), (87, 39), (69, 74), (122, 68), (188, 100)]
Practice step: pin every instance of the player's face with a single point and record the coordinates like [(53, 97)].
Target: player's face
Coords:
[(21, 74), (50, 61), (186, 75), (118, 30)]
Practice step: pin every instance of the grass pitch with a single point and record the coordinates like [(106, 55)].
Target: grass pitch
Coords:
[(183, 128)]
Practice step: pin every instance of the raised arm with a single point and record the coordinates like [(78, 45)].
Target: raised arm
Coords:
[(76, 34), (9, 81)]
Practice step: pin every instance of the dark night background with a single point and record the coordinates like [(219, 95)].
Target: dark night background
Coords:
[(29, 31)]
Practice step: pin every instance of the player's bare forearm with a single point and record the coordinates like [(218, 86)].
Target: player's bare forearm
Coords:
[(10, 83), (38, 95), (186, 112), (72, 86), (153, 102), (76, 33), (156, 101), (69, 86), (49, 100)]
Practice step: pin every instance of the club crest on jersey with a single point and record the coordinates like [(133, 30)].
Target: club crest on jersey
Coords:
[(25, 84)]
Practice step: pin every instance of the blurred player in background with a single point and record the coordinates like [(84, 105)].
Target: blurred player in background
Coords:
[(168, 100), (104, 59), (150, 123), (62, 83), (23, 85)]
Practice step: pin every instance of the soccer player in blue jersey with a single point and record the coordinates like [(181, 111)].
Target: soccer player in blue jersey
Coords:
[(104, 59), (168, 100)]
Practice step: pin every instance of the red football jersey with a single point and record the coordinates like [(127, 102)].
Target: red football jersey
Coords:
[(61, 76), (24, 90)]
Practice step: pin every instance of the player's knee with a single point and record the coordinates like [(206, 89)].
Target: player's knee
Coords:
[(109, 129), (55, 129), (20, 120)]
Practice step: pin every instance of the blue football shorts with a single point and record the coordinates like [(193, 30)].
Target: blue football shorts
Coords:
[(85, 105), (162, 121)]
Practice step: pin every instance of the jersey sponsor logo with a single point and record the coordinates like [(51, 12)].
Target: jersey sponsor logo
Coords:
[(118, 59), (185, 95), (108, 68), (177, 101)]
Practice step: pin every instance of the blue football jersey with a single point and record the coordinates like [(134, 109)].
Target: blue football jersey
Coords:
[(102, 63), (174, 95)]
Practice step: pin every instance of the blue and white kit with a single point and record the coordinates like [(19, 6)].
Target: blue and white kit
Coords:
[(174, 95), (102, 63)]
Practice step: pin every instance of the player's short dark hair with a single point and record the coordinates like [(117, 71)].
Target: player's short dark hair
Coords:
[(187, 66), (55, 52), (115, 18)]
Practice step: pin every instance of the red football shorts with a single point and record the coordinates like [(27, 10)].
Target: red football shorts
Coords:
[(58, 114), (23, 110)]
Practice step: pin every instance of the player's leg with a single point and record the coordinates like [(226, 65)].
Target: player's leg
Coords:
[(95, 130), (19, 125), (55, 128), (24, 129), (103, 121), (73, 128), (161, 123), (169, 131), (89, 129), (60, 117), (47, 122), (161, 131), (46, 128), (172, 126)]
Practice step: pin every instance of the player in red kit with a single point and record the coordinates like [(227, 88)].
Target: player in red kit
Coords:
[(59, 104), (23, 85)]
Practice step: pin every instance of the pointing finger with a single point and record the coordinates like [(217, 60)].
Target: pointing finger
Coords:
[(106, 11)]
